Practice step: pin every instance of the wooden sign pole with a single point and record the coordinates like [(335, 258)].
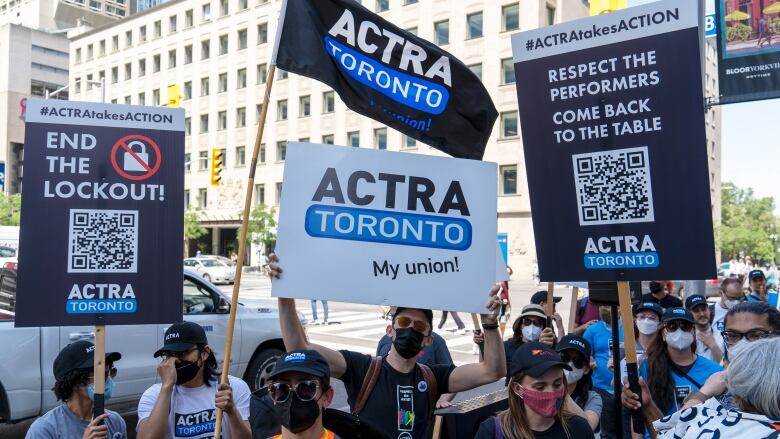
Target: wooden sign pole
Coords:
[(575, 292), (550, 299), (632, 372), (99, 371)]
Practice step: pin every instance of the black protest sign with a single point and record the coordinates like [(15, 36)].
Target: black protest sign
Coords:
[(748, 50), (612, 118), (102, 215), (387, 74)]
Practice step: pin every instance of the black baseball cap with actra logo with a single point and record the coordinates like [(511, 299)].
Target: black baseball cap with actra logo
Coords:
[(534, 359), (79, 355), (181, 337), (303, 361)]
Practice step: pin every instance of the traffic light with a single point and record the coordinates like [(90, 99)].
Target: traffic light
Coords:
[(216, 166), (602, 6), (174, 96)]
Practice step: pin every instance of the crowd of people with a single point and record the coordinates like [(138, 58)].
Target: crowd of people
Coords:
[(703, 368)]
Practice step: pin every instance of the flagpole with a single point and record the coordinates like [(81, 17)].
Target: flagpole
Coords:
[(242, 239)]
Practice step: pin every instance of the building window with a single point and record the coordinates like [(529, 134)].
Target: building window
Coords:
[(102, 48), (222, 120), (243, 4), (128, 38), (240, 156), (476, 69), (510, 17), (281, 109), (380, 138), (224, 7), (187, 132), (78, 55), (188, 20), (262, 73), (204, 126), (187, 159), (172, 23), (142, 98), (441, 32), (142, 34), (186, 196), (205, 12), (261, 154), (507, 71), (281, 151), (222, 83), (90, 52), (128, 71), (241, 79), (474, 25), (328, 102), (242, 39), (412, 30), (550, 15), (278, 193), (89, 82), (203, 160), (408, 142), (188, 54), (188, 90), (382, 5), (127, 100), (304, 106), (508, 183), (205, 49), (223, 44), (157, 29), (262, 33), (509, 124), (328, 139), (156, 63), (353, 138), (240, 117), (203, 198), (141, 67), (258, 110), (410, 2), (114, 75), (259, 195), (204, 86), (282, 74), (223, 152), (115, 43), (156, 97), (172, 59)]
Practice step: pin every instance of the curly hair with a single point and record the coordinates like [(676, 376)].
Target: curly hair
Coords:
[(209, 366), (63, 388)]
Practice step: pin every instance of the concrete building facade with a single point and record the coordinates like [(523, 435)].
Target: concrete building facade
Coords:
[(60, 15)]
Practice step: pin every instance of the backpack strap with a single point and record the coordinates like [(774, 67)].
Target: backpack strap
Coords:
[(369, 381), (433, 388)]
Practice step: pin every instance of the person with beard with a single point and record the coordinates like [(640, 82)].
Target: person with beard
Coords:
[(706, 343), (300, 390), (395, 393), (575, 351), (183, 404)]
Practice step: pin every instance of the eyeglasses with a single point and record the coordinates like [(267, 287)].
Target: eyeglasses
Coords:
[(732, 337), (178, 355), (417, 325), (304, 390), (536, 322), (681, 324), (578, 362)]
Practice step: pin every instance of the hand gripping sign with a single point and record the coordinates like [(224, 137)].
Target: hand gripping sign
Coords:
[(382, 227)]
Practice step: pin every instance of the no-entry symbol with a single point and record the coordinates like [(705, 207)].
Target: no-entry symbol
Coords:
[(137, 152)]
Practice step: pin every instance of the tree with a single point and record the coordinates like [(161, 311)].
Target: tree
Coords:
[(192, 228), (10, 206), (748, 226), (261, 228)]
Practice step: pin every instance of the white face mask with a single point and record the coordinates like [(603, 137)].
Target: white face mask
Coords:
[(679, 340), (532, 332), (647, 326), (737, 350), (574, 375), (731, 303)]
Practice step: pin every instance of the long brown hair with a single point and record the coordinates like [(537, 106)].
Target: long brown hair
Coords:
[(514, 422), (660, 381)]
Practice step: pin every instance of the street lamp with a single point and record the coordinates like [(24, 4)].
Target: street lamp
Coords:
[(101, 84)]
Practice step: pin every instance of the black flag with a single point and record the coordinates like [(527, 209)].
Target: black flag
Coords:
[(387, 74)]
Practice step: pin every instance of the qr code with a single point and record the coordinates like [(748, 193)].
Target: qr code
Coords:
[(613, 187), (103, 241)]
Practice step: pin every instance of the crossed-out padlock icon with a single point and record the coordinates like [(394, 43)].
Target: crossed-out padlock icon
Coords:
[(131, 163)]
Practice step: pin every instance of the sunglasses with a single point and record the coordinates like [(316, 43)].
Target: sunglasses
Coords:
[(578, 362), (417, 325), (732, 337), (305, 391), (678, 324), (536, 322)]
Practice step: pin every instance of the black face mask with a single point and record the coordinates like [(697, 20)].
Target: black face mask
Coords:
[(408, 342), (296, 415), (185, 371)]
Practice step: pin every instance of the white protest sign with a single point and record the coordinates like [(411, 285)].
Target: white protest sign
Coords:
[(378, 227), (501, 274)]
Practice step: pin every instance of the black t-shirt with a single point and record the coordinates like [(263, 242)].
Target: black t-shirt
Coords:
[(578, 429), (668, 301), (398, 404)]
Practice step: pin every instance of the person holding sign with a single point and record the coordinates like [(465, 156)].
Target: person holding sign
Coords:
[(396, 393), (74, 386), (183, 404)]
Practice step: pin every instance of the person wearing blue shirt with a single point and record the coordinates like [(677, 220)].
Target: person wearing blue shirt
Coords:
[(599, 335), (758, 289)]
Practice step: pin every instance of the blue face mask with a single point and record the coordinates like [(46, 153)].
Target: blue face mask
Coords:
[(106, 393)]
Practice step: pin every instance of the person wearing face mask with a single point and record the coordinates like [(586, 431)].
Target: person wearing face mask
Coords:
[(647, 320), (300, 390), (706, 344), (183, 404), (531, 325), (74, 386), (575, 351), (537, 391), (730, 295)]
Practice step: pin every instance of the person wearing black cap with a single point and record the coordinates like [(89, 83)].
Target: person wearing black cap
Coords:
[(672, 370), (74, 386), (396, 393), (540, 298), (660, 295), (300, 389), (759, 292), (537, 391), (587, 404), (706, 343), (183, 404)]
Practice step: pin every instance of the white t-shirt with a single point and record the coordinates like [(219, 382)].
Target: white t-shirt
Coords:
[(703, 350), (718, 325), (193, 413)]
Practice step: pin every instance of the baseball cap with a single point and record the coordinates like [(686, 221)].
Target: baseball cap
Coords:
[(541, 296), (754, 274), (575, 342), (677, 314), (428, 313), (180, 337), (303, 361), (534, 359), (655, 287), (533, 310), (654, 307), (694, 300), (79, 355)]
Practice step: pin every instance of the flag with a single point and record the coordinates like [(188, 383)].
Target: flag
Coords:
[(387, 74)]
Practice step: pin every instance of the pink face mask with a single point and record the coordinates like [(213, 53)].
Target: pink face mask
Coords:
[(545, 404)]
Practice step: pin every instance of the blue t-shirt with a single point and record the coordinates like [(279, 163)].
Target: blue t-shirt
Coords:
[(701, 369), (600, 337), (771, 298), (436, 353)]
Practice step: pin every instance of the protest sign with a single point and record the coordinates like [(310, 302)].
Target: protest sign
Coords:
[(102, 213), (378, 227), (748, 50), (614, 143)]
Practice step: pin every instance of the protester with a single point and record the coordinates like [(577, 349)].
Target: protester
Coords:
[(706, 343), (599, 335), (647, 317), (759, 291), (540, 298), (660, 295), (402, 393), (299, 387), (531, 325), (186, 398), (757, 413), (461, 326), (587, 314), (537, 390), (314, 320), (576, 352), (74, 386)]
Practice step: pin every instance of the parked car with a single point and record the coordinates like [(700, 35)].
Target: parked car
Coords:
[(7, 290), (27, 354), (212, 269), (224, 259)]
